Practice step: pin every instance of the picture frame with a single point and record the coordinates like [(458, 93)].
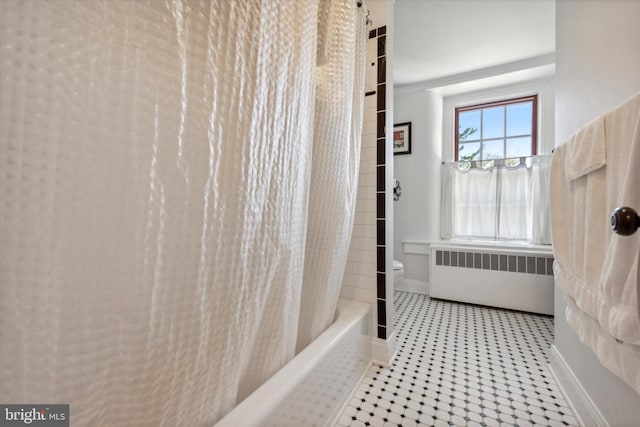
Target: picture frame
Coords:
[(402, 138)]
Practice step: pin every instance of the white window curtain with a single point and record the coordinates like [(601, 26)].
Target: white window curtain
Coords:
[(497, 203)]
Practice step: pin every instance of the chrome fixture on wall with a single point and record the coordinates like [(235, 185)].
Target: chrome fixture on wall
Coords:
[(397, 191)]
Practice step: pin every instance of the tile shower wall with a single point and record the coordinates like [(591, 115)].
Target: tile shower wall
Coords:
[(365, 277)]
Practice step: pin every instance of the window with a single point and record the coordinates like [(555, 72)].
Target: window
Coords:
[(497, 130), (497, 189)]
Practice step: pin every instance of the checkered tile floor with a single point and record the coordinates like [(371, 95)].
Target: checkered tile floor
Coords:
[(461, 365)]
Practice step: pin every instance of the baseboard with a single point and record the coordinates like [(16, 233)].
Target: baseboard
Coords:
[(411, 285), (384, 351), (587, 413)]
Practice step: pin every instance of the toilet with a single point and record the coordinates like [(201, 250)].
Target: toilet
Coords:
[(398, 272)]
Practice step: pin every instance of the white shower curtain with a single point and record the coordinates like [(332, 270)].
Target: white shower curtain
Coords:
[(156, 162), (335, 165)]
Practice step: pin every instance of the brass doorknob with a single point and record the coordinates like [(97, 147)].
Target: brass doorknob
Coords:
[(625, 221)]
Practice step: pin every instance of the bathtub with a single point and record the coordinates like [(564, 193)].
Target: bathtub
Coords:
[(314, 386)]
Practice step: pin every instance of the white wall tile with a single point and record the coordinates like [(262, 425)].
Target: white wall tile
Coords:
[(364, 295), (368, 154), (365, 268), (346, 292), (358, 230), (367, 179), (360, 275)]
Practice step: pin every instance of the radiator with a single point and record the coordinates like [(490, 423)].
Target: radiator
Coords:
[(514, 278)]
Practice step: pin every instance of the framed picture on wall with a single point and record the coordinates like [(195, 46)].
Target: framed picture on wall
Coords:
[(402, 138)]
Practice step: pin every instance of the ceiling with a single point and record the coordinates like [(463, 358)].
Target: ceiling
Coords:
[(447, 43)]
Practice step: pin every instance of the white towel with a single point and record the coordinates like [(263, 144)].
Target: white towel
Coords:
[(596, 268), (586, 150), (621, 359)]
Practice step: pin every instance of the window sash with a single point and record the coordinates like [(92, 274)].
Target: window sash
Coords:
[(505, 137)]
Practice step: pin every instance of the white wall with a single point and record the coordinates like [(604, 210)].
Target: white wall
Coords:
[(597, 57), (417, 213), (597, 68)]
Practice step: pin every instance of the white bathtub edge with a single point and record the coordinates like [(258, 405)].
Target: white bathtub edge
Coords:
[(265, 399)]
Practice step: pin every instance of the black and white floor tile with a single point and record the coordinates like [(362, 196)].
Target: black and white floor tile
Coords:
[(461, 365)]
